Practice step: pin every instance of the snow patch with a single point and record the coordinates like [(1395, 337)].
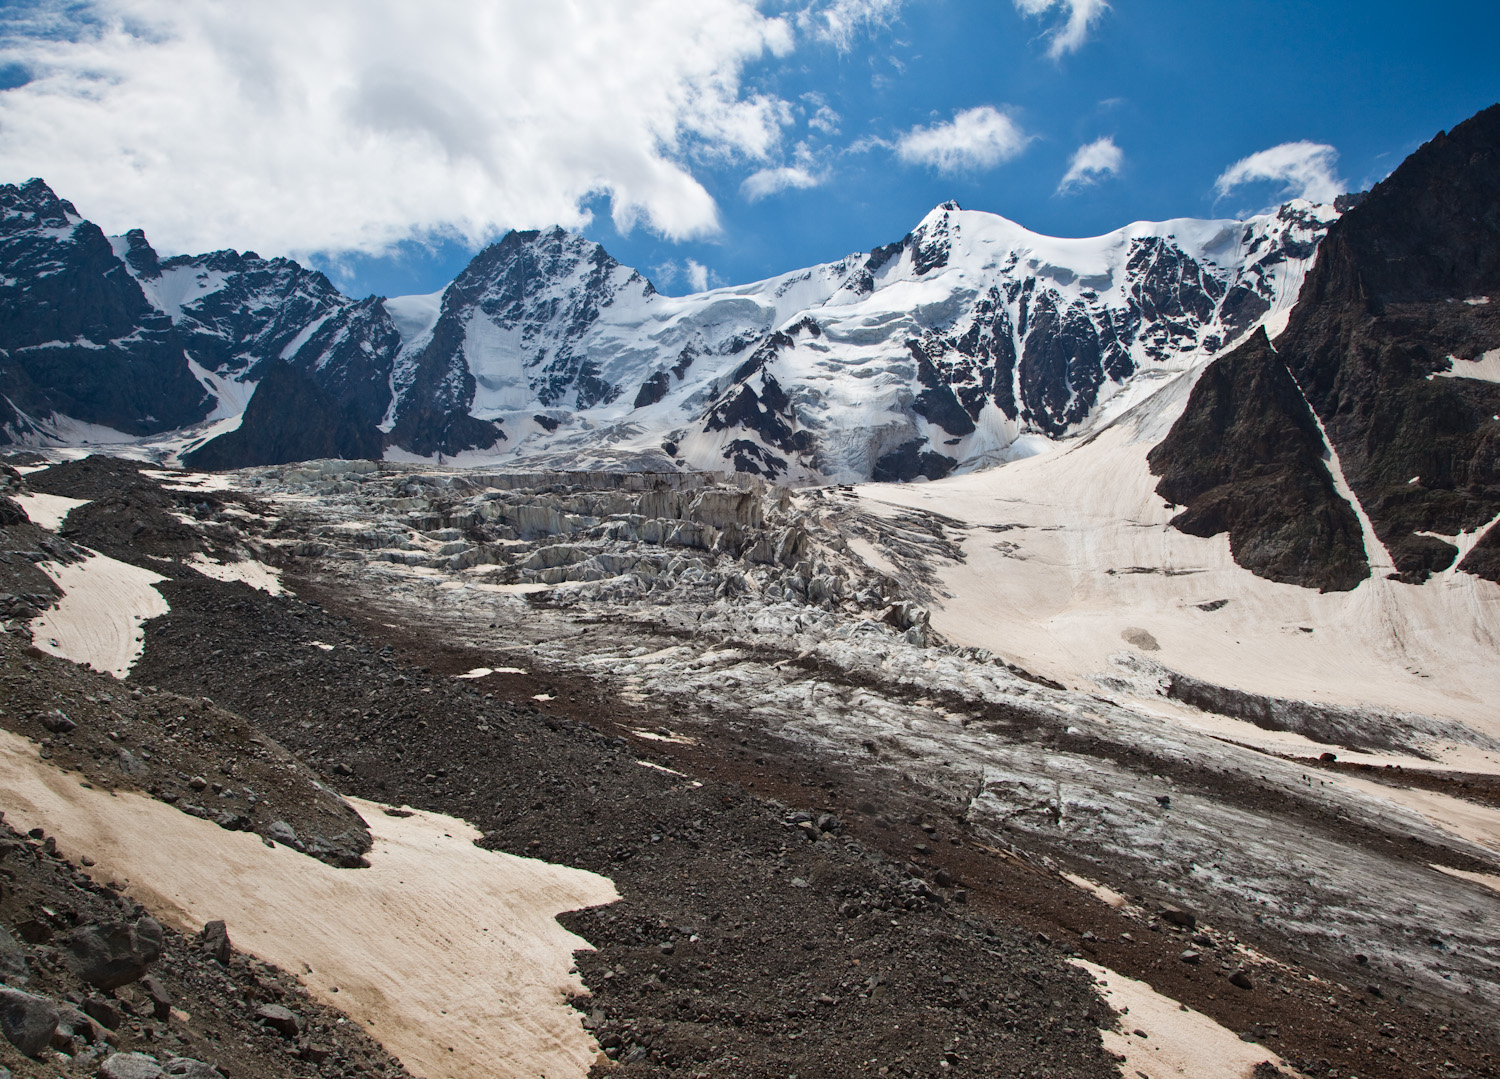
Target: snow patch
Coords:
[(1173, 1040), (97, 623), (48, 511), (1484, 369), (415, 316), (416, 945), (256, 574), (485, 672)]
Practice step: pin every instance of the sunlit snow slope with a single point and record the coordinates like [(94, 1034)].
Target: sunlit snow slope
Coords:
[(968, 342)]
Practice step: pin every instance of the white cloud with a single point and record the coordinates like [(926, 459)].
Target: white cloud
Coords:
[(1071, 33), (698, 276), (839, 22), (766, 182), (354, 124), (1090, 163), (823, 119), (809, 168), (978, 138), (1304, 169)]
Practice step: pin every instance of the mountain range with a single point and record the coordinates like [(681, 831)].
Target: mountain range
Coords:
[(962, 344), (1343, 361)]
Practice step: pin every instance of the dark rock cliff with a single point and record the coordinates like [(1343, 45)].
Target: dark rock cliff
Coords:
[(77, 335), (1246, 458), (289, 418), (1404, 293), (1407, 285)]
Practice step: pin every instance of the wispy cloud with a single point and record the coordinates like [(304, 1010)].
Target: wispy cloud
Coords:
[(1090, 163), (1071, 33), (1304, 169), (840, 22), (809, 167), (699, 277), (822, 118), (357, 124), (978, 138)]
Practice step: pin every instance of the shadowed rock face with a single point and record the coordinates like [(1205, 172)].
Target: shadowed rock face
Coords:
[(77, 335), (1246, 458), (290, 418), (1399, 300), (1397, 296)]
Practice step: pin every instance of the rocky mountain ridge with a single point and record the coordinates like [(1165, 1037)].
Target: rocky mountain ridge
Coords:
[(1388, 367), (947, 350)]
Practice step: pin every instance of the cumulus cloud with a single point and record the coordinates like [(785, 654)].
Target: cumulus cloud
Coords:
[(771, 181), (1071, 33), (1090, 163), (840, 22), (1304, 170), (351, 125), (978, 138)]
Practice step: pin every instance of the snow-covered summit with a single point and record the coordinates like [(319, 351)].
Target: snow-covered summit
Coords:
[(957, 345)]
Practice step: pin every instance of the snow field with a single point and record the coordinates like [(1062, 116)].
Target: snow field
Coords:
[(437, 944)]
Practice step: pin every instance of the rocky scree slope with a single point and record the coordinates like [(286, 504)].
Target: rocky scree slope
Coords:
[(690, 652), (1390, 358), (930, 354)]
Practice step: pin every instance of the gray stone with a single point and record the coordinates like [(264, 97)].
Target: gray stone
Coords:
[(103, 1011), (282, 832), (188, 1068), (129, 1066), (108, 955), (161, 1001), (28, 1022), (215, 941), (13, 966), (1177, 916), (73, 1023), (282, 1020)]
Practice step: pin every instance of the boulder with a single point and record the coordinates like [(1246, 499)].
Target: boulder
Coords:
[(215, 941), (28, 1022), (13, 966), (188, 1068), (108, 955), (129, 1066), (282, 1020)]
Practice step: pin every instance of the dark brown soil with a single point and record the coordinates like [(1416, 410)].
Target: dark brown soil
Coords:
[(1470, 786), (183, 750), (857, 952)]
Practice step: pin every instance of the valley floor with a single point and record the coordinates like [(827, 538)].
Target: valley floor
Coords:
[(842, 846)]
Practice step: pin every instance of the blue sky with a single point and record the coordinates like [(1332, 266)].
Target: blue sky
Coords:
[(855, 100)]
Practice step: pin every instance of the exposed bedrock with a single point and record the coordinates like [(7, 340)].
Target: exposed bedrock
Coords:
[(1246, 457), (289, 418), (1383, 343)]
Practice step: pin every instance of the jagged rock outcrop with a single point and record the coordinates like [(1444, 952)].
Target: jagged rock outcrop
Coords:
[(78, 337), (1405, 297), (1246, 457), (1387, 345)]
